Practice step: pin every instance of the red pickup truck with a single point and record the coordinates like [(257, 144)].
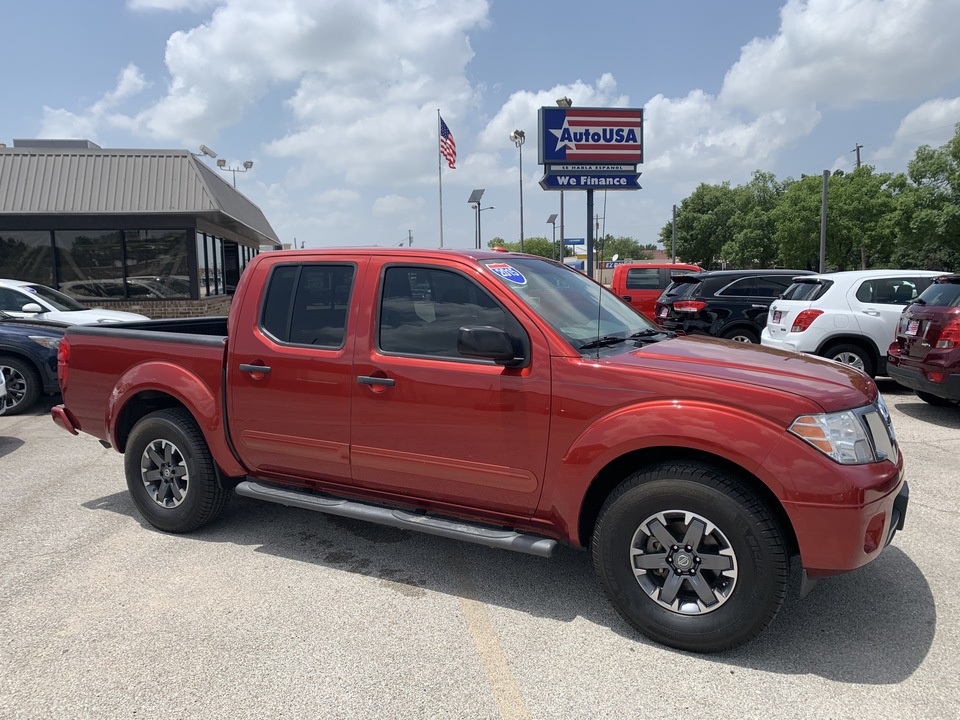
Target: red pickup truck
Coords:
[(506, 400)]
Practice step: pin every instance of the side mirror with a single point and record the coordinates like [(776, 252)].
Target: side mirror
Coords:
[(488, 343), (32, 308)]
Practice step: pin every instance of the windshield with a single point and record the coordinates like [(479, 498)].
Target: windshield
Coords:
[(585, 313), (57, 299)]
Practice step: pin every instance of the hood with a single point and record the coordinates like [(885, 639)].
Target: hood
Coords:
[(91, 317), (831, 385)]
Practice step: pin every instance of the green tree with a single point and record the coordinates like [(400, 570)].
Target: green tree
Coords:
[(706, 222), (926, 218), (624, 247), (541, 246), (754, 227)]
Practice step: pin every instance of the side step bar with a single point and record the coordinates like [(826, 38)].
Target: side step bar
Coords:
[(454, 529)]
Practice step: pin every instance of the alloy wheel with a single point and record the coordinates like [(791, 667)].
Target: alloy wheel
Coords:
[(683, 562), (164, 473)]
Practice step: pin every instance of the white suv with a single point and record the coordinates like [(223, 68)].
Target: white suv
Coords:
[(850, 317)]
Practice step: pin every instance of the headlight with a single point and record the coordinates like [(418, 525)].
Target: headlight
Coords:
[(851, 437), (48, 342)]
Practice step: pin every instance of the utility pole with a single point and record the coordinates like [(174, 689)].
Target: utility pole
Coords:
[(409, 238), (863, 248)]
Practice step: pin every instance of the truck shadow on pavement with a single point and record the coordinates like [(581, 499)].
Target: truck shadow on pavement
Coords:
[(874, 626)]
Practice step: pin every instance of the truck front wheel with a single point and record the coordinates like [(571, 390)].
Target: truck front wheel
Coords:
[(690, 558), (170, 473)]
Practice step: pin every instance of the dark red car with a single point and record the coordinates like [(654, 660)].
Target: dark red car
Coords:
[(925, 356)]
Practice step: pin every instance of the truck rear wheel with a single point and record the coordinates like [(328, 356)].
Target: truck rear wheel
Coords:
[(170, 473), (690, 558)]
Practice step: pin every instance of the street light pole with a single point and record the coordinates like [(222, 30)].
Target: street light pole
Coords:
[(222, 164), (518, 137)]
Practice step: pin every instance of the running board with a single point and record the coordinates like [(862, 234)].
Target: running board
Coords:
[(454, 529)]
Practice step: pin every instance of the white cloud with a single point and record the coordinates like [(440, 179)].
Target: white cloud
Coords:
[(844, 52), (932, 123), (60, 123), (396, 205)]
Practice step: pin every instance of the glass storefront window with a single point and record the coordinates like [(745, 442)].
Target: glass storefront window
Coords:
[(157, 265), (90, 263), (26, 255)]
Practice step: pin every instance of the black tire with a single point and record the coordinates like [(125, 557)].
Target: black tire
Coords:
[(743, 335), (853, 355), (935, 399), (23, 385), (738, 572), (171, 474)]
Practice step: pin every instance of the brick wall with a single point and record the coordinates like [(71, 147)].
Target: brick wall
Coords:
[(159, 309)]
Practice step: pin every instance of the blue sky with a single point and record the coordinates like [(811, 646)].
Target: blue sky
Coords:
[(335, 101)]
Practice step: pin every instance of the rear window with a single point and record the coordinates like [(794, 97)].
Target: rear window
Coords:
[(807, 291), (942, 294), (678, 290)]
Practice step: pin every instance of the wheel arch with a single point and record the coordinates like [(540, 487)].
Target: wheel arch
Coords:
[(859, 340), (611, 475)]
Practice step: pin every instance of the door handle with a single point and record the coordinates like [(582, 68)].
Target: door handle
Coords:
[(245, 367), (871, 311), (628, 298), (368, 380), (755, 305)]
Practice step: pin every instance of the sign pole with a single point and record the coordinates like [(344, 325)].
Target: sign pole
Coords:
[(590, 233)]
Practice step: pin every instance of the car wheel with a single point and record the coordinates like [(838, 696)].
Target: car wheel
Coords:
[(853, 355), (23, 385), (935, 399), (690, 558), (171, 474), (742, 335)]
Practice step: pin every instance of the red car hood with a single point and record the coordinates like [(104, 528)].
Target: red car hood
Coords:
[(831, 385)]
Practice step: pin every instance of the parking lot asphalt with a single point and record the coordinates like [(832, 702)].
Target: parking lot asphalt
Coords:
[(275, 612)]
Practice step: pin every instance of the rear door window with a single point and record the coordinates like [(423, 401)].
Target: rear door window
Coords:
[(744, 287), (773, 286), (643, 279), (307, 304)]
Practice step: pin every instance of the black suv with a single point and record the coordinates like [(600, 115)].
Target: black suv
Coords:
[(729, 304)]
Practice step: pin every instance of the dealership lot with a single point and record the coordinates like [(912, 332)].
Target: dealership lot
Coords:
[(275, 612)]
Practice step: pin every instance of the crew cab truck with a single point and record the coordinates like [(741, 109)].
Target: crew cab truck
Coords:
[(507, 400)]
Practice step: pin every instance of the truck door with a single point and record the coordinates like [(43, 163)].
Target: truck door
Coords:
[(289, 371), (430, 424)]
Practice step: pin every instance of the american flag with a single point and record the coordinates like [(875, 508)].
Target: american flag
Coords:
[(448, 148)]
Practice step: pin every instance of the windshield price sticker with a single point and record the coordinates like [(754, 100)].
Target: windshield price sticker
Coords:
[(508, 272)]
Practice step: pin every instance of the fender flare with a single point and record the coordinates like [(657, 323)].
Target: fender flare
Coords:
[(180, 383), (738, 436)]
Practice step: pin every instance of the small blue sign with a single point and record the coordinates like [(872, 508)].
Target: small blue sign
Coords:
[(591, 181), (573, 241), (508, 272)]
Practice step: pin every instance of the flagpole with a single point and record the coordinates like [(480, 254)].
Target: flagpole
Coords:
[(440, 177)]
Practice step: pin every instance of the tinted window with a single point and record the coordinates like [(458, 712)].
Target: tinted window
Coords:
[(643, 279), (744, 287), (423, 309), (772, 286), (307, 305), (807, 291), (678, 290), (890, 291), (945, 294)]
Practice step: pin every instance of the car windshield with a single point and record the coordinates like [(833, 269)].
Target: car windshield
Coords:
[(586, 314), (57, 299)]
